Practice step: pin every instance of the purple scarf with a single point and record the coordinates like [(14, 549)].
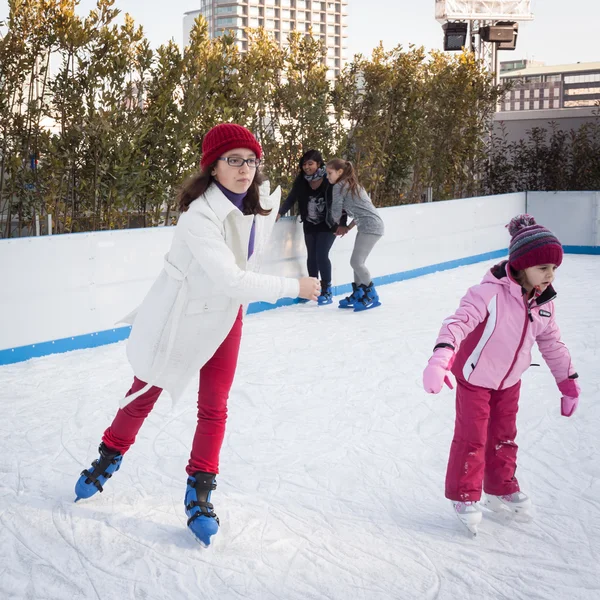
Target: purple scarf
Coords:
[(238, 201)]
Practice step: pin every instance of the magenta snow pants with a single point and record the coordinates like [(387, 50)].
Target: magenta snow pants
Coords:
[(483, 449), (216, 378)]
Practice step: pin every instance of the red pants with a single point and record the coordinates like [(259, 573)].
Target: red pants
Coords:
[(483, 449), (216, 378)]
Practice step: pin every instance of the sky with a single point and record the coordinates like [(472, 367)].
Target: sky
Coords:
[(561, 32)]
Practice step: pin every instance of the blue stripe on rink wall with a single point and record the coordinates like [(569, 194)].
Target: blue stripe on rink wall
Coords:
[(582, 250), (111, 336)]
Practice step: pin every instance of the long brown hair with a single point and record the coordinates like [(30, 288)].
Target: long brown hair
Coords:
[(196, 185), (349, 177)]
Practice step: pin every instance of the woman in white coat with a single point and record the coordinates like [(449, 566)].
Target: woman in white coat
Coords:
[(191, 319)]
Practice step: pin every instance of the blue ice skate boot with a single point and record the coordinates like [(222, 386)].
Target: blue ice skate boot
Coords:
[(369, 298), (326, 296), (353, 298), (202, 520), (93, 479)]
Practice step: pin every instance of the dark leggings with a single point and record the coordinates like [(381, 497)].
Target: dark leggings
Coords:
[(318, 245)]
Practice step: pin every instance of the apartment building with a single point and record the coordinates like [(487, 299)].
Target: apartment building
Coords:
[(327, 20)]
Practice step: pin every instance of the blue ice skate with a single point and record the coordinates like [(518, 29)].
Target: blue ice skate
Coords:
[(326, 296), (202, 521), (369, 298), (351, 300), (93, 479)]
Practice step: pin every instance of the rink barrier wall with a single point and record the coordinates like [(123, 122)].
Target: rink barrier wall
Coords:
[(64, 286), (67, 292), (118, 334)]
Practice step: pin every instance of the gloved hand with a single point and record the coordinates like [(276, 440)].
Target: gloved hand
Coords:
[(437, 369), (570, 396)]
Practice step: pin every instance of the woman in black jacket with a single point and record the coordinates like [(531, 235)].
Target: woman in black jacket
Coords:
[(312, 192)]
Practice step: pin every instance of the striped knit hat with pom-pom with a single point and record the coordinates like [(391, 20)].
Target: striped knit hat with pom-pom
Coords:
[(532, 244)]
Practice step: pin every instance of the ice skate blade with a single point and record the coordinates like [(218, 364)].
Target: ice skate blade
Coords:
[(362, 307), (506, 515), (470, 530), (518, 513), (522, 516), (197, 539)]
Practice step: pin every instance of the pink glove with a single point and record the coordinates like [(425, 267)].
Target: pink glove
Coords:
[(570, 396), (437, 369)]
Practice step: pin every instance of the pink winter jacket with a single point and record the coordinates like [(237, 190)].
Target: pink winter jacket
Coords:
[(494, 329)]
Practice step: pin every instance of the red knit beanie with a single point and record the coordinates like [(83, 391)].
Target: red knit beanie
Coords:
[(532, 244), (224, 137)]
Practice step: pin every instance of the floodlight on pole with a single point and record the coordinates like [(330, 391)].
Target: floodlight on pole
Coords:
[(455, 36), (492, 25)]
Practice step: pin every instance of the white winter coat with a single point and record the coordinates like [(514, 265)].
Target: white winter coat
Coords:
[(194, 302)]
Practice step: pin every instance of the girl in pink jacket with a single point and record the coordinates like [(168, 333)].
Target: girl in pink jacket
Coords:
[(487, 346)]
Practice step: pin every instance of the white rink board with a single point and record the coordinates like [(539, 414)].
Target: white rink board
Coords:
[(67, 285)]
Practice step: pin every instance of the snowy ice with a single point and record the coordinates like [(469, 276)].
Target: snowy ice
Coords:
[(332, 470)]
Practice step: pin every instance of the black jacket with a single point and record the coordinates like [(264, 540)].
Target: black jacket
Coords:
[(301, 192)]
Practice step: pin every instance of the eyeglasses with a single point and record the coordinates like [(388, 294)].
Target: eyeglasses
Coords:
[(236, 161)]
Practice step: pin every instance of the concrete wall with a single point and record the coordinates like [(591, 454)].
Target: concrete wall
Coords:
[(573, 216), (517, 123)]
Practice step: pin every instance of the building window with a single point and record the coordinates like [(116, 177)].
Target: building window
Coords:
[(582, 91), (587, 78), (536, 104), (229, 10), (578, 103), (229, 22), (507, 106)]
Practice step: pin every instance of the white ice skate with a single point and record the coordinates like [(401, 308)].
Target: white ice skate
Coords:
[(469, 514), (517, 504)]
